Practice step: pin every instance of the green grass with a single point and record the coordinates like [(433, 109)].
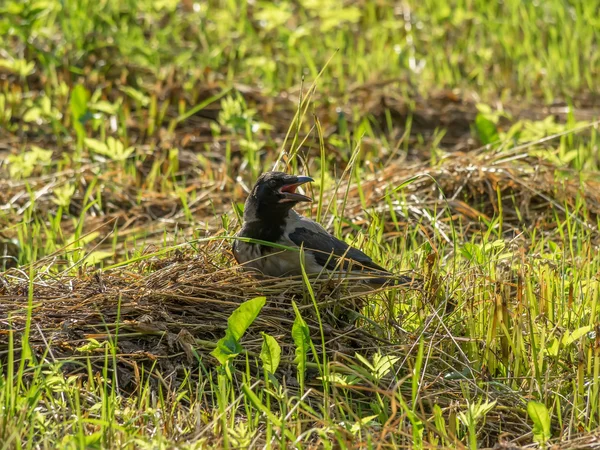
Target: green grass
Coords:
[(129, 132)]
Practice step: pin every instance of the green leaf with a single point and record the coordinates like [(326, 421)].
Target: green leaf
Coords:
[(575, 335), (32, 115), (113, 148), (78, 102), (552, 347), (273, 15), (301, 336), (340, 380), (63, 195), (244, 315), (106, 107), (92, 345), (541, 421), (202, 105), (440, 422), (23, 164), (358, 425), (96, 145), (475, 412), (270, 354), (229, 347), (78, 106), (486, 130), (138, 96), (21, 67), (569, 338), (259, 405), (365, 361)]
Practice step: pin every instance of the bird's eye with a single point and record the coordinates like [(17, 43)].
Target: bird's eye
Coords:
[(272, 183)]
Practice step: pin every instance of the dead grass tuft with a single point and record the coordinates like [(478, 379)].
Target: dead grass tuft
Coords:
[(473, 188)]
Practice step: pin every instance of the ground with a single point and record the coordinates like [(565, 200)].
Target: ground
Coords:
[(453, 141)]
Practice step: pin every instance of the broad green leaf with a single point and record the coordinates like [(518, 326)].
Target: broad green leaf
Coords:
[(22, 165), (92, 439), (356, 426), (96, 145), (383, 364), (92, 345), (78, 102), (440, 422), (365, 361), (106, 107), (244, 315), (541, 421), (486, 130), (270, 353), (553, 347), (228, 347), (78, 106), (576, 335), (32, 115)]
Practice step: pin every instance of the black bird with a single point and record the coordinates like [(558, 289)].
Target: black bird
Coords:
[(269, 216)]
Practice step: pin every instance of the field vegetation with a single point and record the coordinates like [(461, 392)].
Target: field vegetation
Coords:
[(454, 140)]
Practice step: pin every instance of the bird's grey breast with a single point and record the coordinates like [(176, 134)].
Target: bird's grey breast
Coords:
[(273, 260), (246, 251)]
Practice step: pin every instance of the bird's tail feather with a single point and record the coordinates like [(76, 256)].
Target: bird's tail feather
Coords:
[(385, 279), (395, 280)]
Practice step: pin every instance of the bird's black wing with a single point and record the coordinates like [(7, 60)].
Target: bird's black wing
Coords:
[(327, 250)]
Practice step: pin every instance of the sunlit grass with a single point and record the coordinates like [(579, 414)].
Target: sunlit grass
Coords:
[(130, 133)]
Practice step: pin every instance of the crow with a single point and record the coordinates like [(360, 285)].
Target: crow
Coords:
[(270, 221)]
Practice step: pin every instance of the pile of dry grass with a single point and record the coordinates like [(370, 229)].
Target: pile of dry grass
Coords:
[(161, 309), (473, 188)]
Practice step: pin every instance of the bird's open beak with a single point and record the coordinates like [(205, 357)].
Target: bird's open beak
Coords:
[(289, 190)]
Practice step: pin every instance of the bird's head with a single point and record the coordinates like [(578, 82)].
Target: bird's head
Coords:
[(275, 193)]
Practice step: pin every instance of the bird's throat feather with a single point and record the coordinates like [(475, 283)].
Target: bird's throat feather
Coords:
[(263, 230)]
